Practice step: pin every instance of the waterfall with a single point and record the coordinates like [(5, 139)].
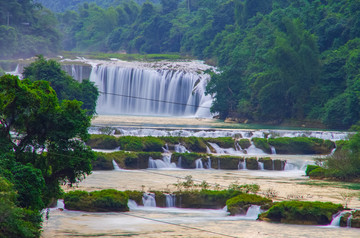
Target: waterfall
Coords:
[(160, 86), (199, 164), (132, 204), (252, 150), (260, 165), (170, 200), (208, 163), (208, 151), (348, 222), (253, 212), (273, 150), (179, 162), (166, 148), (289, 166), (336, 219), (165, 163), (149, 200), (180, 149), (116, 166), (242, 164)]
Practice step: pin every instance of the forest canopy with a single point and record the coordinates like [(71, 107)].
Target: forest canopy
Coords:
[(278, 59)]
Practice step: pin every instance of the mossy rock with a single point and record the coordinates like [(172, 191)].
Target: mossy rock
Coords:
[(225, 162), (135, 196), (318, 173), (102, 162), (279, 164), (268, 163), (302, 212), (104, 142), (310, 168), (263, 144), (244, 143), (108, 200), (223, 142), (301, 145), (252, 163), (207, 199), (160, 198), (354, 217), (240, 204)]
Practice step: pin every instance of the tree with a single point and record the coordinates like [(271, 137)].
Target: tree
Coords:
[(49, 135), (63, 84)]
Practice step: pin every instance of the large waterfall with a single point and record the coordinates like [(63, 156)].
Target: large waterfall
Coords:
[(135, 88)]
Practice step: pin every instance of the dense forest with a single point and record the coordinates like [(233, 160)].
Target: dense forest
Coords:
[(279, 60)]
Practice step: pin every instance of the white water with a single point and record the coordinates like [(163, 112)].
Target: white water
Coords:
[(253, 212), (336, 219), (273, 150), (180, 149), (116, 166), (199, 164), (242, 165), (165, 163), (236, 133), (261, 165), (170, 92), (149, 200), (252, 150), (170, 200)]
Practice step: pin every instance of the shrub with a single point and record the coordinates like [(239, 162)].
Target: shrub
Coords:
[(317, 173), (97, 201), (297, 212), (310, 168), (241, 203)]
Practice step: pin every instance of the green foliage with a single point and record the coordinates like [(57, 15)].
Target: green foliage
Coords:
[(97, 201), (16, 221), (135, 196), (65, 86), (301, 145), (318, 173), (244, 143), (223, 142), (297, 212), (310, 168), (262, 143)]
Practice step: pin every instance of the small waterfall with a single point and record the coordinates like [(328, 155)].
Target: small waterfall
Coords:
[(208, 163), (238, 147), (273, 150), (253, 212), (181, 149), (348, 222), (116, 166), (219, 164), (199, 164), (170, 200), (242, 164), (333, 151), (17, 72), (60, 204), (165, 163), (179, 162), (289, 166), (252, 150), (208, 151), (336, 219), (166, 148), (132, 204), (260, 165), (149, 200)]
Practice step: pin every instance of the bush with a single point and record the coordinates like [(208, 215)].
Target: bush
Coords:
[(310, 168), (240, 204), (306, 213), (98, 201), (318, 173)]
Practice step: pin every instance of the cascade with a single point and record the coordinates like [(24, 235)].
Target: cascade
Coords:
[(170, 200), (166, 148), (336, 219), (208, 151), (242, 165), (149, 200), (180, 149), (199, 164), (252, 150), (116, 166), (208, 163), (273, 150), (289, 166), (161, 164), (348, 222), (159, 85), (260, 165), (132, 204), (179, 162), (253, 212)]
